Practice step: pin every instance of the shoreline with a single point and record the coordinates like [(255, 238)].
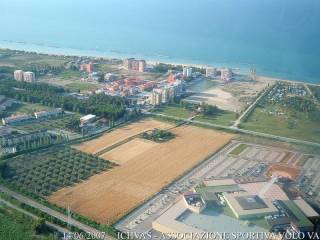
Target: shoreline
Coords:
[(49, 50)]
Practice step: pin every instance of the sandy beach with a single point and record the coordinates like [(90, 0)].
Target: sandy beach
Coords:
[(56, 51)]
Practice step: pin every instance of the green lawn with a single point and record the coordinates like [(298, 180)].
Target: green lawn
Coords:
[(291, 124), (174, 110), (224, 118), (65, 75), (21, 59), (30, 108), (82, 86), (24, 108), (50, 124), (108, 68), (17, 226), (239, 149)]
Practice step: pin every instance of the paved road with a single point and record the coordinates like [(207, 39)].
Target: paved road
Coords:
[(259, 134), (52, 212)]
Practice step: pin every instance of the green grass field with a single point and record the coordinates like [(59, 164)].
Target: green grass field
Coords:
[(69, 74), (48, 170), (225, 118), (20, 59), (17, 226), (30, 108), (50, 124), (290, 124), (24, 108), (82, 86), (239, 149), (316, 91), (174, 110), (108, 68)]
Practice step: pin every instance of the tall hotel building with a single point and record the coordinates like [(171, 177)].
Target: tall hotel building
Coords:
[(18, 75), (134, 65), (187, 72), (29, 77)]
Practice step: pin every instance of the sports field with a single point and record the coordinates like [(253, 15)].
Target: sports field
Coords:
[(144, 169)]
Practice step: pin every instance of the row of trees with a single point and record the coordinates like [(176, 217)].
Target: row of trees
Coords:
[(100, 104), (316, 92), (48, 170)]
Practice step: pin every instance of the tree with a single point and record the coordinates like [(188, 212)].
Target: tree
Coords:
[(209, 110), (39, 226)]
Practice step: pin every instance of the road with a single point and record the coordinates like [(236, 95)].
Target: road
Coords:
[(250, 108), (49, 224), (239, 130), (53, 213)]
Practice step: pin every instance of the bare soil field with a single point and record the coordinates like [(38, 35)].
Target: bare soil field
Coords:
[(284, 171), (142, 173), (128, 151), (120, 134)]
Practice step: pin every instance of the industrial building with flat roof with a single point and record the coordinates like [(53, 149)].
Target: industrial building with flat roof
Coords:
[(246, 206), (256, 206)]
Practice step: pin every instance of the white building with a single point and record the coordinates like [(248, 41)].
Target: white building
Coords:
[(211, 72), (110, 77), (88, 118), (29, 77), (18, 75), (156, 97), (142, 66), (226, 74), (166, 93), (46, 114), (16, 119), (177, 87), (187, 71)]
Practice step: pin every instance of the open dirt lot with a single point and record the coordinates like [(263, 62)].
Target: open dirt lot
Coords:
[(129, 150), (109, 196), (120, 134)]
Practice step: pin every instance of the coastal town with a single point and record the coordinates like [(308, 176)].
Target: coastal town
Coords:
[(139, 150)]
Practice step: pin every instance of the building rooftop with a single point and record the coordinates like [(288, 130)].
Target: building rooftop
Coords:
[(249, 202), (219, 182), (193, 199), (274, 191), (87, 117), (295, 213), (246, 205), (177, 219)]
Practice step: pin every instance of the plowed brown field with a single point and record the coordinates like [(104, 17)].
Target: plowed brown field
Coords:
[(120, 134), (142, 172)]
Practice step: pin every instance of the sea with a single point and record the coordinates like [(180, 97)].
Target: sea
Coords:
[(279, 38)]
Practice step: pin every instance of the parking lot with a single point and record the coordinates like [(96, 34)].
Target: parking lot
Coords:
[(248, 164)]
